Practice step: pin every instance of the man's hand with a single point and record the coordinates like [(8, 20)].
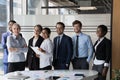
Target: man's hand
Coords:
[(66, 65)]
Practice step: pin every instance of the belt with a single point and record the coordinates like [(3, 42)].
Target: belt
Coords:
[(81, 57)]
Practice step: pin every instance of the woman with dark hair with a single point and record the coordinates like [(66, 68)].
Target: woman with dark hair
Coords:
[(46, 50), (32, 61), (102, 49)]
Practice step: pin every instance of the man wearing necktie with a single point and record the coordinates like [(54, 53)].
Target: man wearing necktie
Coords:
[(63, 48), (82, 47), (77, 46)]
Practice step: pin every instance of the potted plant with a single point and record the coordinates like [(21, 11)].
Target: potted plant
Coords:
[(116, 74)]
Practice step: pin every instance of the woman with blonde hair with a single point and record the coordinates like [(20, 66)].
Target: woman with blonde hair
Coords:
[(16, 47)]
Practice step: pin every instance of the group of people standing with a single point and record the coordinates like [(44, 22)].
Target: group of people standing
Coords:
[(59, 53)]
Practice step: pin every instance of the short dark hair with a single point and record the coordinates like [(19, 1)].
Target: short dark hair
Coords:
[(77, 22), (48, 30), (39, 26), (61, 23), (104, 28), (13, 21)]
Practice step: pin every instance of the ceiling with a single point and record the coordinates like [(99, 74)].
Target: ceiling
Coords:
[(103, 6)]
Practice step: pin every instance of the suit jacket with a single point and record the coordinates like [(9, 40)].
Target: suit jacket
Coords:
[(32, 61), (103, 50), (3, 41), (65, 51)]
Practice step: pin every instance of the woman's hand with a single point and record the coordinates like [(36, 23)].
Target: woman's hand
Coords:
[(13, 49), (25, 46), (104, 71), (40, 49), (37, 55)]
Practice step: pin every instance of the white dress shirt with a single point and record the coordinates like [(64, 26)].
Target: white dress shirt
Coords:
[(34, 41), (60, 38), (96, 61), (19, 43), (46, 58)]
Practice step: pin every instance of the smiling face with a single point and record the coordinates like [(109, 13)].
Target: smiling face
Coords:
[(16, 29), (99, 32), (77, 28), (59, 29), (37, 31), (45, 34)]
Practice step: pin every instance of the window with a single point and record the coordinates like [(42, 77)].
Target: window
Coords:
[(17, 7), (3, 16)]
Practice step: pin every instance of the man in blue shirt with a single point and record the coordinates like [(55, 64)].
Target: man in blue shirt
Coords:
[(3, 41), (82, 47)]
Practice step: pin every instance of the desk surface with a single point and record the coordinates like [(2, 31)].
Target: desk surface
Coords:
[(45, 75)]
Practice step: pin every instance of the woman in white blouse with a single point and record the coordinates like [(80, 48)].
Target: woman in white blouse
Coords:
[(16, 47), (46, 51)]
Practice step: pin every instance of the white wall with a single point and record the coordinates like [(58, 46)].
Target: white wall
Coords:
[(50, 20), (89, 21)]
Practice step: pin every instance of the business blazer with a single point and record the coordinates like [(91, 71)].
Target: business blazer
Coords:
[(103, 50), (65, 51), (32, 61), (4, 41)]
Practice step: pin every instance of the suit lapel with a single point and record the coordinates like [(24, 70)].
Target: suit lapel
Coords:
[(101, 43), (95, 43), (37, 42), (31, 41)]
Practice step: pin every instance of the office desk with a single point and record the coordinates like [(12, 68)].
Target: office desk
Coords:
[(49, 75)]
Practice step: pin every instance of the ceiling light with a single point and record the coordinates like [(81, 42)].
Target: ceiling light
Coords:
[(87, 8)]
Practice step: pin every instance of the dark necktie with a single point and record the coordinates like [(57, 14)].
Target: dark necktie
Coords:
[(77, 47), (98, 39), (58, 41), (57, 48)]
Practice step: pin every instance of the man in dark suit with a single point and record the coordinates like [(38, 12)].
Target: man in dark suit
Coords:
[(63, 48), (32, 61), (102, 50)]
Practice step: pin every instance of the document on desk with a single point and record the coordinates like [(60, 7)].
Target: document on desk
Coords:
[(18, 77), (36, 50)]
